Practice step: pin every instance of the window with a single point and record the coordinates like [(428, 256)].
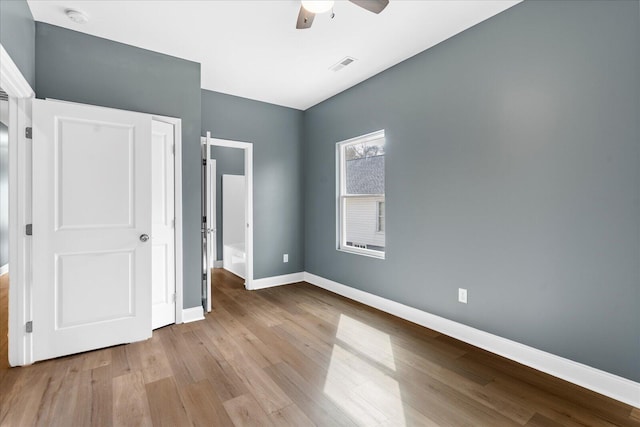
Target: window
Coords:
[(360, 195)]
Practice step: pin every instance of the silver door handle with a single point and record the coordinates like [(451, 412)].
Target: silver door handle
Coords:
[(144, 237)]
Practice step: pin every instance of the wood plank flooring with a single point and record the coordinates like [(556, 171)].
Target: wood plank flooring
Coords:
[(296, 356)]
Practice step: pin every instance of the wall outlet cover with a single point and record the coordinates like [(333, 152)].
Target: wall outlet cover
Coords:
[(285, 258), (462, 295)]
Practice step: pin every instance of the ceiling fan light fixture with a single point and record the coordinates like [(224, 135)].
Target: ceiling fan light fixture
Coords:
[(317, 6)]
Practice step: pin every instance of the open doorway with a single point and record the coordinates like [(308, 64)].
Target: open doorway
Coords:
[(227, 211)]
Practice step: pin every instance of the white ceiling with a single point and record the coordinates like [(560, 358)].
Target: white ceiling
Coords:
[(253, 50)]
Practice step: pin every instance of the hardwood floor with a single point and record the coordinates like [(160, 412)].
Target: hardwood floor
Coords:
[(299, 356)]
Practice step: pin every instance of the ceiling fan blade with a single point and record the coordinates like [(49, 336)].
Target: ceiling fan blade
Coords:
[(305, 19), (375, 6)]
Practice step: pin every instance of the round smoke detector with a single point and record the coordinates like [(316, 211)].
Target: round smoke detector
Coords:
[(76, 16)]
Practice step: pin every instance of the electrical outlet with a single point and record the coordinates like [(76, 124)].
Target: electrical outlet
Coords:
[(462, 295), (285, 258)]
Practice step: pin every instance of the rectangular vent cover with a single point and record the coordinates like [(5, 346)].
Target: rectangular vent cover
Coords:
[(343, 63)]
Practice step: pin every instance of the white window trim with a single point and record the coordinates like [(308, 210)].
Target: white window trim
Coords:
[(340, 212)]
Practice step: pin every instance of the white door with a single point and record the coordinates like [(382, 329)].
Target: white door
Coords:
[(91, 226), (210, 224), (163, 274), (206, 226)]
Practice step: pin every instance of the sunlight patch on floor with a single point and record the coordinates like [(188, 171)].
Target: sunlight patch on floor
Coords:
[(369, 341), (358, 379)]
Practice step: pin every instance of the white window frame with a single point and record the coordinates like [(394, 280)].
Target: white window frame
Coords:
[(341, 196)]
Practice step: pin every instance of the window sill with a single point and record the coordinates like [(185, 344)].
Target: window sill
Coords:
[(364, 252)]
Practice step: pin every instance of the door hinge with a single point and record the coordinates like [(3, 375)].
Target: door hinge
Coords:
[(29, 326), (27, 132), (204, 276), (28, 229), (204, 218), (173, 297), (204, 162)]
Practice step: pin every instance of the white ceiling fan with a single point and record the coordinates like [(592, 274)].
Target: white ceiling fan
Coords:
[(309, 9)]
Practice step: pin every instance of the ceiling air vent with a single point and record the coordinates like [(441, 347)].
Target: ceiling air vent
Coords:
[(343, 63), (3, 95)]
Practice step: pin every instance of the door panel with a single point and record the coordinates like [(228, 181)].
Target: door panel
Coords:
[(82, 167), (91, 204), (163, 225), (110, 298)]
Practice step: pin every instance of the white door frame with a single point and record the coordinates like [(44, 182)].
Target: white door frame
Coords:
[(212, 230), (20, 95), (214, 202), (248, 171)]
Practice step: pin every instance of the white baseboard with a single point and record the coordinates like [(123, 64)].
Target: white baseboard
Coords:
[(269, 282), (218, 264), (4, 269), (192, 314), (602, 382)]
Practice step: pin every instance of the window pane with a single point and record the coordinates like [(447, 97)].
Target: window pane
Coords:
[(361, 223), (364, 167), (361, 190), (381, 217)]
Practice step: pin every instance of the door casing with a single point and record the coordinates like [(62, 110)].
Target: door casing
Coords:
[(211, 227), (20, 94)]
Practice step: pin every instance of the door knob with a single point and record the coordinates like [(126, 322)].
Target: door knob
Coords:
[(144, 237)]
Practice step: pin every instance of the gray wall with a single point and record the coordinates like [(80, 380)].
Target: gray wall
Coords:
[(277, 156), (513, 170), (228, 161), (17, 35), (77, 67), (4, 194)]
